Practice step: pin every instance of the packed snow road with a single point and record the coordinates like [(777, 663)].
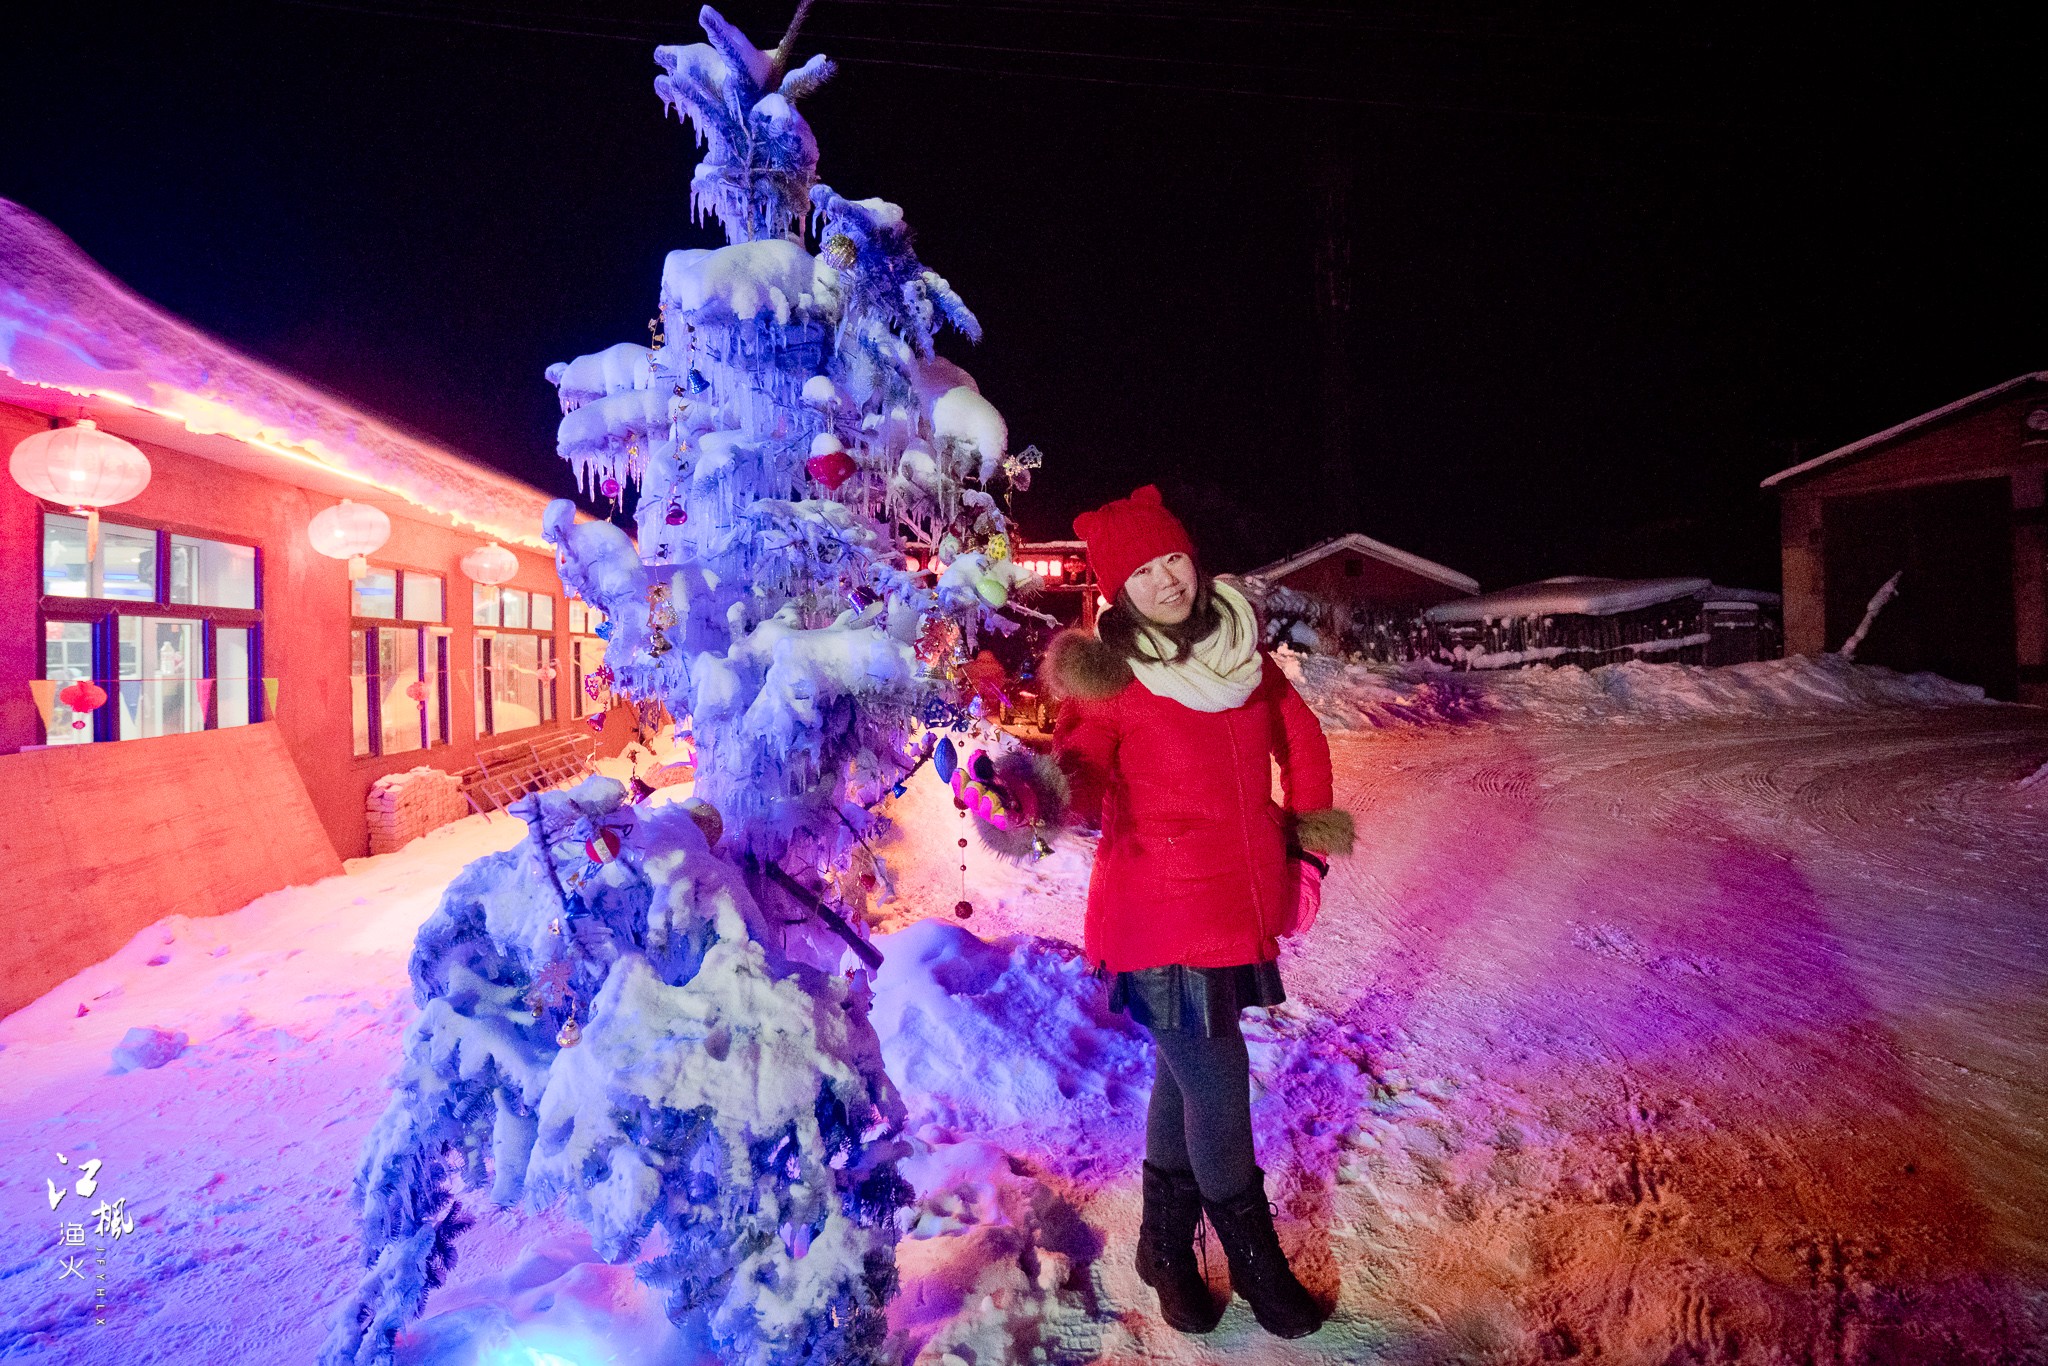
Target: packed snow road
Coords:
[(1720, 1042), (1703, 1040), (1696, 1041)]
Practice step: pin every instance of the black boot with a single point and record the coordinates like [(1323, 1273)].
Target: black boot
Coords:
[(1166, 1250), (1258, 1268)]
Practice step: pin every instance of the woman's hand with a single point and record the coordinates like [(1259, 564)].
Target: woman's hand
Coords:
[(1327, 831)]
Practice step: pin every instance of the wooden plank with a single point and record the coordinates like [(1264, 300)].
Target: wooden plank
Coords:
[(102, 840)]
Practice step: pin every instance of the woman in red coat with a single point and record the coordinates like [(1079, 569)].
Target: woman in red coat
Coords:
[(1170, 718)]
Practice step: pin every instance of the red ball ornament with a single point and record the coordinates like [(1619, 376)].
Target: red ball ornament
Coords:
[(609, 488), (676, 515), (831, 469), (963, 842), (963, 909), (603, 847)]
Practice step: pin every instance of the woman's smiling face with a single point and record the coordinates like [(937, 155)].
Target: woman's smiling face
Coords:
[(1163, 588)]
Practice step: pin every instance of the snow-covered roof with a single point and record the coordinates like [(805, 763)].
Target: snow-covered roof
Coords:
[(1911, 424), (76, 341), (1571, 595), (1378, 550)]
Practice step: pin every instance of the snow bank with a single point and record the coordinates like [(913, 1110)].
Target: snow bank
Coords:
[(981, 1037), (1358, 696)]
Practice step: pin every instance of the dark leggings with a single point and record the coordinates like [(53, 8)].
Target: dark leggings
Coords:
[(1200, 1119)]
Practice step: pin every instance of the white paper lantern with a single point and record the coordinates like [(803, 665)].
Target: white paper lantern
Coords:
[(490, 564), (83, 468), (349, 531)]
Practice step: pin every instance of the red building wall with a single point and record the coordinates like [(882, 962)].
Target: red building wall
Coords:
[(305, 601)]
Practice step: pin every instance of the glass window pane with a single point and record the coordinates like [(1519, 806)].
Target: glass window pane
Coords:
[(577, 625), (375, 594), (231, 676), (437, 673), (512, 607), (542, 616), (67, 656), (160, 672), (212, 573), (64, 567), (484, 604), (422, 596), (400, 689), (478, 676), (588, 654), (127, 563), (515, 698), (359, 691)]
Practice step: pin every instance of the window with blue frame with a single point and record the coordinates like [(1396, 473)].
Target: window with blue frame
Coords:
[(167, 623)]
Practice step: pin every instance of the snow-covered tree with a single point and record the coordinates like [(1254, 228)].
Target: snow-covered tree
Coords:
[(607, 1014)]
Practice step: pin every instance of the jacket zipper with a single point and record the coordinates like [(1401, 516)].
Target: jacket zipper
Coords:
[(1250, 862)]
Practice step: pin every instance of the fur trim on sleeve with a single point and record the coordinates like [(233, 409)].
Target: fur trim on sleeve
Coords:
[(1080, 666), (1328, 831)]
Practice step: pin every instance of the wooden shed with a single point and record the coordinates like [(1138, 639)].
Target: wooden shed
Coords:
[(1357, 595), (1952, 502)]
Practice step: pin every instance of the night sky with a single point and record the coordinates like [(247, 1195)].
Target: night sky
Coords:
[(1596, 277)]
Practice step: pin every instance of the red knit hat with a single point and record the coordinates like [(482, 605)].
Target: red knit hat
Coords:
[(1125, 534)]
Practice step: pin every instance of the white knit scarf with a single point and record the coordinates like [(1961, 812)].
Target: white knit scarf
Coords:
[(1222, 670)]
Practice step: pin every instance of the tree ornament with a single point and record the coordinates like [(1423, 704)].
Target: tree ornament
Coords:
[(696, 383), (841, 251), (675, 515), (570, 1033), (998, 547), (945, 760), (609, 488), (416, 690), (603, 846), (963, 908), (831, 469)]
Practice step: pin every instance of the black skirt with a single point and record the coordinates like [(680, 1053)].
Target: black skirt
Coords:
[(1199, 1001)]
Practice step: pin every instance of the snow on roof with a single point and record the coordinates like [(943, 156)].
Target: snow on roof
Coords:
[(68, 327), (1570, 595), (1378, 550), (1911, 424)]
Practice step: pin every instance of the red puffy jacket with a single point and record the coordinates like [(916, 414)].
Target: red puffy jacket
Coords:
[(1192, 868)]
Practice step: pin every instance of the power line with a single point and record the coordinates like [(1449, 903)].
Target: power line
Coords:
[(1289, 96)]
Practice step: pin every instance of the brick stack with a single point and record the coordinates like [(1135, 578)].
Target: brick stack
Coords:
[(404, 806)]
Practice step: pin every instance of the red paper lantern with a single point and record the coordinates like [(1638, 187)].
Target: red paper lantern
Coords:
[(84, 695), (831, 469)]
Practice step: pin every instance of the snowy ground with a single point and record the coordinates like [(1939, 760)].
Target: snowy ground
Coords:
[(1662, 1017)]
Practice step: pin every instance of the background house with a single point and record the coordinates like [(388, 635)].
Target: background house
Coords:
[(1593, 621), (1951, 501), (1352, 594), (254, 691)]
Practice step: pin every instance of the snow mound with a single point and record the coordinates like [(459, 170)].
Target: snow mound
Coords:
[(984, 1036), (148, 1048), (1351, 696)]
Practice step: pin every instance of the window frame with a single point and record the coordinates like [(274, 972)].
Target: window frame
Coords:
[(581, 703), (102, 617), (548, 661), (434, 644)]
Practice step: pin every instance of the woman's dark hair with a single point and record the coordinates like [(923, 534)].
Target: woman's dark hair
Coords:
[(1120, 623)]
